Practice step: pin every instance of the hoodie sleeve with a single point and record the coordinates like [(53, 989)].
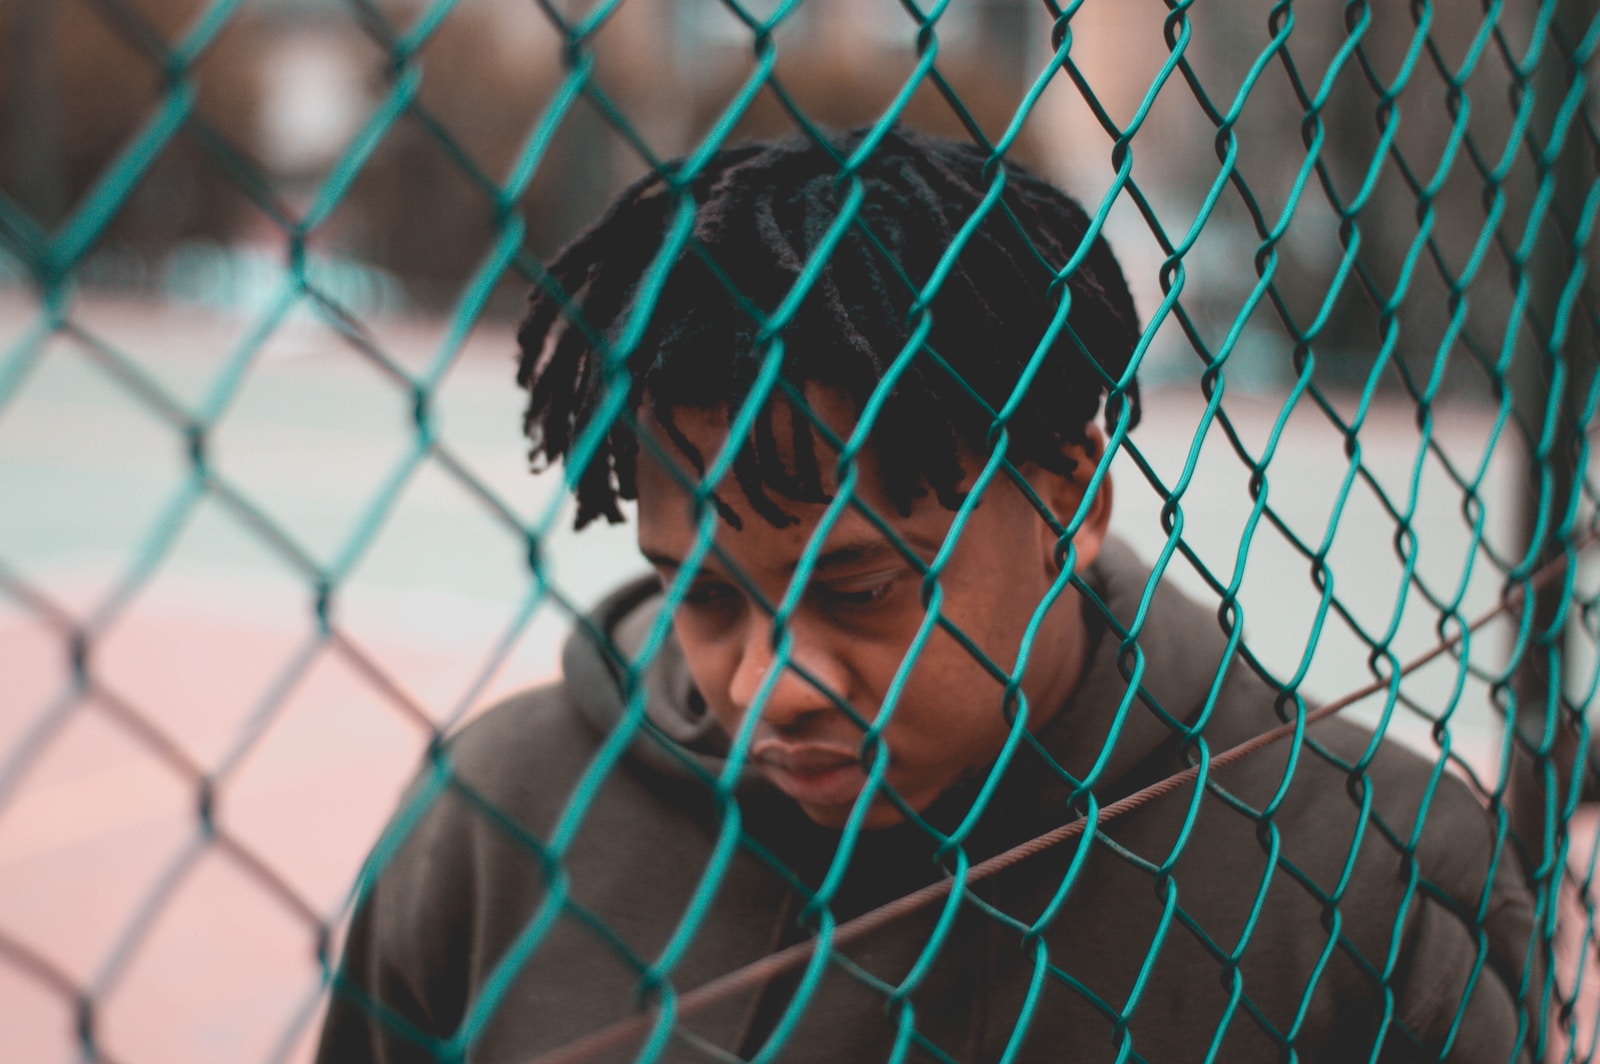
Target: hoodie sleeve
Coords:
[(456, 887), (1470, 987), (400, 986), (367, 992), (463, 883)]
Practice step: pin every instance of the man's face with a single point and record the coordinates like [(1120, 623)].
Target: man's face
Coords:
[(858, 616)]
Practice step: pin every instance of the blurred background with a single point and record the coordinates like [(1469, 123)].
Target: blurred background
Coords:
[(265, 519)]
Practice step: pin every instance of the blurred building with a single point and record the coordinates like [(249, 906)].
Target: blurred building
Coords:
[(286, 89)]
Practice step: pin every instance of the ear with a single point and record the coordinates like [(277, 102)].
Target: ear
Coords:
[(1066, 495)]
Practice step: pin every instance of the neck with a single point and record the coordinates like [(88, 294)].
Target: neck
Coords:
[(1075, 632)]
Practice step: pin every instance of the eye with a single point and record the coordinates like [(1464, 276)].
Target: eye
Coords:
[(704, 591), (708, 593), (857, 593)]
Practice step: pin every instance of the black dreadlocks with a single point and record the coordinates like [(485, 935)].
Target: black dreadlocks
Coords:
[(761, 210)]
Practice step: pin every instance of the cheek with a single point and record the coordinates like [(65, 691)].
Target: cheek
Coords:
[(951, 709), (1000, 594), (711, 662), (991, 626)]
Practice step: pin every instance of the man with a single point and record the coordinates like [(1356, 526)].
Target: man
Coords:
[(859, 418)]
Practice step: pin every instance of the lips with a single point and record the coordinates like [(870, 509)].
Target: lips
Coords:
[(812, 774)]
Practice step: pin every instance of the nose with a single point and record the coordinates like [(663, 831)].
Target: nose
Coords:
[(793, 703)]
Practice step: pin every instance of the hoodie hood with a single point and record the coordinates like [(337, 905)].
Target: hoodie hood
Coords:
[(682, 740), (1172, 629)]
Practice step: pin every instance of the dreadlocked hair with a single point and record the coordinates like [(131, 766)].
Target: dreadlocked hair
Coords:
[(761, 211)]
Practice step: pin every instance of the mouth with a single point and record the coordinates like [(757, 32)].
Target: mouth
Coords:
[(813, 774)]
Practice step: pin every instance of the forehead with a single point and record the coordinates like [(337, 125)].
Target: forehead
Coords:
[(997, 544), (823, 417), (667, 478), (791, 442), (678, 448)]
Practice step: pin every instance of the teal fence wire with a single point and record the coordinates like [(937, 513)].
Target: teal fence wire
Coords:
[(259, 265)]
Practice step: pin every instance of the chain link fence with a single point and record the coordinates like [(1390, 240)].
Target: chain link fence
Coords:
[(267, 536)]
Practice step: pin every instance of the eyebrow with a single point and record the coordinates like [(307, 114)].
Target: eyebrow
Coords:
[(846, 554)]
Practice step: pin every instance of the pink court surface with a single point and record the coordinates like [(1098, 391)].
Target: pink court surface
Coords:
[(206, 657)]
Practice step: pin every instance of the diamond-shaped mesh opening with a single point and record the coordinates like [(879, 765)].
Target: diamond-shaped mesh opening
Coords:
[(221, 930), (92, 798), (86, 455), (351, 416), (336, 724), (478, 592), (201, 645)]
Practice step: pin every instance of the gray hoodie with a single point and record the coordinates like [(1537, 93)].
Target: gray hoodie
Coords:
[(528, 901)]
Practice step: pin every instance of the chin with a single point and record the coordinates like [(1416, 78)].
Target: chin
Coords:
[(881, 815)]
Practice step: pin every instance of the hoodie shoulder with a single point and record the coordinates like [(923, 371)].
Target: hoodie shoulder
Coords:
[(427, 923), (523, 755)]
